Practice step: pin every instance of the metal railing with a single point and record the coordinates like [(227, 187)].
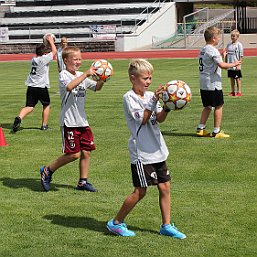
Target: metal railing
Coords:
[(190, 34), (145, 15)]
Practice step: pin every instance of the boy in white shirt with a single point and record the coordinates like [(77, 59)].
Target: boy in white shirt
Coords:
[(77, 137), (148, 151), (210, 65), (234, 52), (37, 85), (60, 63)]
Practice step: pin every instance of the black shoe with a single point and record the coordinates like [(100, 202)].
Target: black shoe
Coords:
[(44, 127), (16, 124)]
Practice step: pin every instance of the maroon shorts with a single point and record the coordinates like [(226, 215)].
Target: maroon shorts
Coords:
[(76, 139)]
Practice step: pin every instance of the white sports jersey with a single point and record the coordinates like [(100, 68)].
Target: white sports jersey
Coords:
[(39, 73), (60, 61), (210, 72), (73, 102), (146, 142), (234, 53)]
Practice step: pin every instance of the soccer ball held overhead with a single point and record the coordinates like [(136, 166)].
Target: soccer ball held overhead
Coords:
[(45, 41)]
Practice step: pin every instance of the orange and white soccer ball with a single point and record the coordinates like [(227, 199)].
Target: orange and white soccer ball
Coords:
[(45, 41), (176, 94), (104, 70)]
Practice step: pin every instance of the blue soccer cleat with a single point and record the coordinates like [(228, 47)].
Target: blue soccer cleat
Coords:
[(46, 177), (171, 230), (119, 229), (84, 185)]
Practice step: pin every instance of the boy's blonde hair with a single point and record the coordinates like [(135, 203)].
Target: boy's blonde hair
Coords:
[(138, 66), (210, 33), (69, 50), (235, 32)]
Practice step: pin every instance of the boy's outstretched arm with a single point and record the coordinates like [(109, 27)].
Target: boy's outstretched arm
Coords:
[(225, 65)]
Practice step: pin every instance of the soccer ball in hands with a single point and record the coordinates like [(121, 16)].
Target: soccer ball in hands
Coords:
[(45, 41), (103, 70), (176, 94)]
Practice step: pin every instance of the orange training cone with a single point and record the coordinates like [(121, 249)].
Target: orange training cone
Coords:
[(2, 139)]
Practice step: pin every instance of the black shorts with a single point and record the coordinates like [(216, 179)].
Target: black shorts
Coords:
[(149, 174), (212, 98), (35, 94), (235, 74)]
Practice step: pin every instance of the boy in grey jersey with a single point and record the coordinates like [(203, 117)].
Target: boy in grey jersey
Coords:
[(234, 52), (148, 151), (210, 65), (60, 63), (77, 137), (38, 85)]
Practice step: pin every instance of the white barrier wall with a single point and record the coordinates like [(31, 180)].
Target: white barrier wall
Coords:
[(162, 24)]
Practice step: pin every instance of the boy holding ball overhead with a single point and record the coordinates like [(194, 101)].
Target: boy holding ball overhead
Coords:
[(38, 84)]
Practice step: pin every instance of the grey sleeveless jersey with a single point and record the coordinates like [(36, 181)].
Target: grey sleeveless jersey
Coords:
[(234, 53), (210, 72), (60, 60)]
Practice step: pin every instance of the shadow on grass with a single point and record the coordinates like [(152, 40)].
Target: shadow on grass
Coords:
[(6, 125), (9, 126), (30, 183), (170, 133), (87, 223)]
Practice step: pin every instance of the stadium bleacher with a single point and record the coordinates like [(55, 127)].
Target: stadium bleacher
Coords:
[(79, 20), (69, 2), (85, 23)]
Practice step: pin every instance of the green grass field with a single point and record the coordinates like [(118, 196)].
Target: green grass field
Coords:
[(213, 187)]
